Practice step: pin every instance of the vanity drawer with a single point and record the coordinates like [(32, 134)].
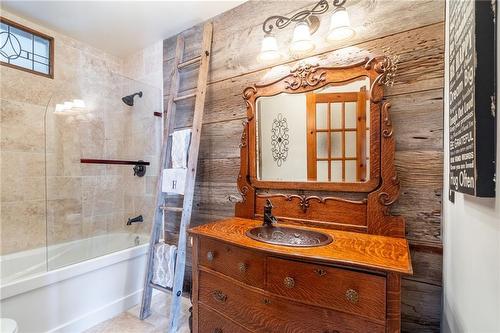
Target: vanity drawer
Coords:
[(210, 321), (238, 263), (260, 311), (344, 290)]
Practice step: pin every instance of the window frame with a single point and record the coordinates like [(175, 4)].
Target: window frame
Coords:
[(361, 157), (16, 25)]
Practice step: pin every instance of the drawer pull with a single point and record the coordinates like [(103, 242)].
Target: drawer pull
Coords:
[(218, 330), (219, 296), (242, 267), (210, 256), (352, 296), (289, 282), (320, 272), (267, 301)]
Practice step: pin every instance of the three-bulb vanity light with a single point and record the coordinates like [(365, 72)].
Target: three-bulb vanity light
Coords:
[(307, 22), (66, 106)]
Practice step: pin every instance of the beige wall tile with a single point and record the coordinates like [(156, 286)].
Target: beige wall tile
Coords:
[(64, 220), (22, 226), (84, 200)]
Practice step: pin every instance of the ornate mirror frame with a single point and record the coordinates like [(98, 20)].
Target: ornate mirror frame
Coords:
[(370, 215)]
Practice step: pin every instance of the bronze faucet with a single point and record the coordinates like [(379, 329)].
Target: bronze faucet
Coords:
[(269, 219)]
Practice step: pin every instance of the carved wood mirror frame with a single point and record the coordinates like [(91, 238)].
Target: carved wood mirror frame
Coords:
[(370, 215), (306, 79)]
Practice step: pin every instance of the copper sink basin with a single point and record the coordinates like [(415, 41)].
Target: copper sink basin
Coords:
[(288, 236)]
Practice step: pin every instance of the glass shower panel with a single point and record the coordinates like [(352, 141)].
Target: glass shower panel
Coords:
[(22, 178), (88, 205)]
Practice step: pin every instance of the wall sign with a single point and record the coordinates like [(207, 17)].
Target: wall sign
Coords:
[(472, 101)]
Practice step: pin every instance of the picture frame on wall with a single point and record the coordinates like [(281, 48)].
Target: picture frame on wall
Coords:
[(472, 91)]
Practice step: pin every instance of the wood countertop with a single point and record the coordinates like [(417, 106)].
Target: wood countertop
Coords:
[(373, 252)]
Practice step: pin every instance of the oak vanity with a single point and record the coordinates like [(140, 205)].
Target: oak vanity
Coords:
[(317, 153)]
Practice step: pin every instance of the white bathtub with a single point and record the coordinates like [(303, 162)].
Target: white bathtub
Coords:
[(81, 288)]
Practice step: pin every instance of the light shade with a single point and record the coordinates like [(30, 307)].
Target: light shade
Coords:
[(301, 42), (78, 103), (269, 49), (340, 25)]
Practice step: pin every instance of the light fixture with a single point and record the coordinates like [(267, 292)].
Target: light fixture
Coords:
[(340, 25), (301, 42), (269, 49), (67, 106), (307, 24), (78, 103)]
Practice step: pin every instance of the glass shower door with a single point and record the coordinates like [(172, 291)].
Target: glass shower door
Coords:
[(89, 204)]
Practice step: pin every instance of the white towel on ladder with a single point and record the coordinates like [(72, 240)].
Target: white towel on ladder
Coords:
[(180, 146), (164, 264)]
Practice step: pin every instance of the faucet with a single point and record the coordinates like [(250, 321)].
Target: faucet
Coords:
[(269, 219), (136, 219)]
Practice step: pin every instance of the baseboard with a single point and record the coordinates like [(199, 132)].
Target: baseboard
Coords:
[(99, 315)]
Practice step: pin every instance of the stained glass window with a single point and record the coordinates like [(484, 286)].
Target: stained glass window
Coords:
[(25, 49)]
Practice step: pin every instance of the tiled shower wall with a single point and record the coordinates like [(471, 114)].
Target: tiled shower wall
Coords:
[(41, 159)]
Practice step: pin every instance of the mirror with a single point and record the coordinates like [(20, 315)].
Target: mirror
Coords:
[(321, 135)]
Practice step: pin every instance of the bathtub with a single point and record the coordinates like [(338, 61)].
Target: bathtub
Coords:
[(77, 287)]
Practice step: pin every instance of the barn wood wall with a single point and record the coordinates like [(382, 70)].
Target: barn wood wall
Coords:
[(412, 30)]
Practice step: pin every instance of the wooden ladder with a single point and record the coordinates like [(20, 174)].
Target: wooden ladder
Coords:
[(187, 205)]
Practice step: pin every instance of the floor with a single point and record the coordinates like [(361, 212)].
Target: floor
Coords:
[(129, 322)]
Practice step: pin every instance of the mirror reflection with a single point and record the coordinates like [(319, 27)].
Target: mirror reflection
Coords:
[(318, 136)]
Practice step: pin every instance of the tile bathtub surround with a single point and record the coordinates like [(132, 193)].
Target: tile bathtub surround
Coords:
[(41, 150)]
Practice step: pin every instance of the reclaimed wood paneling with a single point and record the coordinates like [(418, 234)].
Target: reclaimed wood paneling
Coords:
[(413, 30), (420, 307)]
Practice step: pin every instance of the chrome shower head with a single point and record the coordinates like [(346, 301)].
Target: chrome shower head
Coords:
[(129, 100)]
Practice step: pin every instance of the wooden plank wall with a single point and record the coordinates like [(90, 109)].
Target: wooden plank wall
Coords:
[(413, 30)]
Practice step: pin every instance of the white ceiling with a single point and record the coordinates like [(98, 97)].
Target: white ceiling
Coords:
[(118, 27)]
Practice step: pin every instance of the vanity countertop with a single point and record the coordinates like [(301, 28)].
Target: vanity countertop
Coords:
[(373, 252)]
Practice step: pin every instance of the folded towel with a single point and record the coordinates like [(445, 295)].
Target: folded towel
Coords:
[(180, 146), (164, 265), (173, 181)]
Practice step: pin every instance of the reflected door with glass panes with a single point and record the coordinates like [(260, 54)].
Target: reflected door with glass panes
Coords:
[(337, 135)]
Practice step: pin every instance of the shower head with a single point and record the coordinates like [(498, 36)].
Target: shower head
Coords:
[(129, 100)]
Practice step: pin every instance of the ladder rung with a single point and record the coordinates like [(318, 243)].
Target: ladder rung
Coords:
[(188, 62), (172, 209), (160, 288), (180, 98)]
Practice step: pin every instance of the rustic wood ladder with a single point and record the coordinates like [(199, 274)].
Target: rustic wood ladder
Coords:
[(187, 205)]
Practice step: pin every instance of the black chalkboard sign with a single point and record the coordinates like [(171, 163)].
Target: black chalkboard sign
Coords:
[(472, 92)]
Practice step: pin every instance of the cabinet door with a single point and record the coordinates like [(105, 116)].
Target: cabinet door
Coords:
[(260, 311), (239, 263), (354, 292)]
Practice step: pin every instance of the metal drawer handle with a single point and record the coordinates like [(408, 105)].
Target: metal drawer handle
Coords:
[(219, 296), (242, 267), (320, 272), (352, 296), (210, 256), (218, 330), (289, 282), (267, 301)]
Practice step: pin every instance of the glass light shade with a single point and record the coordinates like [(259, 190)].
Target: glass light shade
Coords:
[(78, 103), (301, 42), (59, 108), (68, 105), (340, 25), (269, 49)]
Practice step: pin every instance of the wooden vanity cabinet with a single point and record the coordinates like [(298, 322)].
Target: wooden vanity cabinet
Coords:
[(242, 285), (351, 285)]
